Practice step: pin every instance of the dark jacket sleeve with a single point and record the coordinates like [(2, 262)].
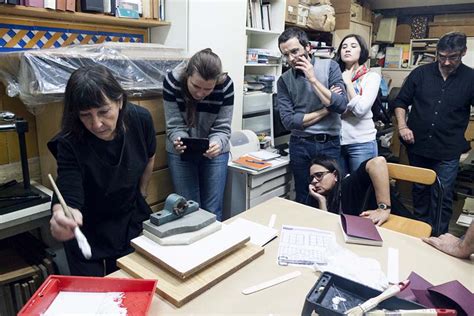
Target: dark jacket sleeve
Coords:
[(407, 92), (338, 101), (289, 118)]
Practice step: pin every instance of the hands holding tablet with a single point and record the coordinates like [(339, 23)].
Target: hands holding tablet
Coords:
[(197, 145)]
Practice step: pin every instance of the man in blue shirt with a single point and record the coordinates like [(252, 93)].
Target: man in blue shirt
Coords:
[(440, 95), (308, 108)]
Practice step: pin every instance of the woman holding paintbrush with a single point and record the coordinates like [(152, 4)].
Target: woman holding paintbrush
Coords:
[(105, 153)]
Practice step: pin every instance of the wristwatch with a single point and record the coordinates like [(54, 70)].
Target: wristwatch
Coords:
[(383, 206)]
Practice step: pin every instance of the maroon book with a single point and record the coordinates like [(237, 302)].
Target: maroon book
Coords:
[(360, 230)]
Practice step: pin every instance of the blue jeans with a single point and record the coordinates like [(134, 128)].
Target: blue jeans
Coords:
[(425, 197), (302, 151), (353, 155), (202, 180)]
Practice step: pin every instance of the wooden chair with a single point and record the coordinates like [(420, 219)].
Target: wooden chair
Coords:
[(408, 226), (421, 176)]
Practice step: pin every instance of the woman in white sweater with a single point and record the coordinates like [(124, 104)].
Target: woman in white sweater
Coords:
[(358, 130)]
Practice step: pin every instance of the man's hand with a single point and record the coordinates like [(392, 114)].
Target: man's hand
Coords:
[(378, 216), (213, 151), (336, 89), (406, 134), (447, 243), (62, 227), (178, 145), (306, 67)]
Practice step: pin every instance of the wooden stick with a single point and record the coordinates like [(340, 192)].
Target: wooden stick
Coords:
[(60, 198)]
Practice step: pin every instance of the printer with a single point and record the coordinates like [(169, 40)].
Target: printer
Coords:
[(243, 142)]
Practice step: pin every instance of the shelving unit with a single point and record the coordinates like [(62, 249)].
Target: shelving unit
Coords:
[(256, 108), (77, 17), (422, 51)]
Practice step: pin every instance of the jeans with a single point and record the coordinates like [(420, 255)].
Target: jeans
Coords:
[(353, 155), (202, 180), (425, 197), (302, 151)]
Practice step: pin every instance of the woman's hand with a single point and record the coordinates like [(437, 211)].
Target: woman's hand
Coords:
[(62, 227), (319, 197), (178, 145), (378, 217), (213, 151), (347, 75)]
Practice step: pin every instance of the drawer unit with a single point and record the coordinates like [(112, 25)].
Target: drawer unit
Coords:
[(256, 103), (245, 189)]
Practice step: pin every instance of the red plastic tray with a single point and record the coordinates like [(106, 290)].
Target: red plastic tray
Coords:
[(137, 298)]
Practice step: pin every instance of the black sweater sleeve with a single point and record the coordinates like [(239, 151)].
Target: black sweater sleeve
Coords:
[(69, 178)]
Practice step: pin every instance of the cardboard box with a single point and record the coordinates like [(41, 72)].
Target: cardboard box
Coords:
[(343, 21), (291, 13), (439, 30), (356, 12), (403, 33), (367, 15), (341, 6), (303, 13), (466, 18)]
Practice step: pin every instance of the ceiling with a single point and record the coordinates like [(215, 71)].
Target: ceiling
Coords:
[(407, 8), (391, 4)]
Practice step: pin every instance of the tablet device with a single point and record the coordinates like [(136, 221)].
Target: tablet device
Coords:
[(195, 147)]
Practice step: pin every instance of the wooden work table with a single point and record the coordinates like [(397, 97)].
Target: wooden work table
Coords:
[(288, 298)]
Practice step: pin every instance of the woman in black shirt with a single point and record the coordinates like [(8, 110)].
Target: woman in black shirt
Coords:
[(347, 195), (105, 153)]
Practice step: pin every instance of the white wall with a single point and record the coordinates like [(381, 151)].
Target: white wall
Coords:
[(218, 24)]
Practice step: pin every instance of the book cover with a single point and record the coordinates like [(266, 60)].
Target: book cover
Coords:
[(252, 163), (360, 230)]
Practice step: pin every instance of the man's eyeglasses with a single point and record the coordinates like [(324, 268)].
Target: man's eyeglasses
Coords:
[(318, 176), (444, 58)]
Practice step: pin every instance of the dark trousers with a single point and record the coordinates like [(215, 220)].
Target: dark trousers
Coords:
[(425, 197), (78, 265), (302, 151)]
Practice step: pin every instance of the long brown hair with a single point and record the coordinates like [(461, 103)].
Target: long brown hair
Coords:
[(209, 66)]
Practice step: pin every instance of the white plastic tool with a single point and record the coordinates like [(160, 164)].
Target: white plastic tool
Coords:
[(271, 282)]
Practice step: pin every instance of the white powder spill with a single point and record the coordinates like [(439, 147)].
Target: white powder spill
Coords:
[(87, 303)]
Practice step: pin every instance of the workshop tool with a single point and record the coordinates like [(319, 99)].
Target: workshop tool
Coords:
[(81, 239), (374, 301), (175, 207), (184, 238), (271, 282)]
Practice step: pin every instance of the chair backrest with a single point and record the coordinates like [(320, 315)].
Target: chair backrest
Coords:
[(408, 226), (422, 176), (412, 174)]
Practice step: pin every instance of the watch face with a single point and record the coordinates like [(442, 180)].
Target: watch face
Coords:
[(383, 206)]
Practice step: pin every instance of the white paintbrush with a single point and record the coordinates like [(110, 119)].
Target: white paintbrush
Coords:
[(81, 239)]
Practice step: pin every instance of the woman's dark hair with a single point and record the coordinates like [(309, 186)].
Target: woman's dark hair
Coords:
[(452, 42), (209, 66), (291, 32), (88, 87), (333, 198), (364, 51)]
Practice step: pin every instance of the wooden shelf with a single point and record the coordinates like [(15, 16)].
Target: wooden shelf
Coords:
[(262, 65), (262, 32), (80, 17)]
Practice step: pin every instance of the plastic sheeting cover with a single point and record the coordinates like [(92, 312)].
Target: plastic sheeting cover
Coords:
[(39, 76)]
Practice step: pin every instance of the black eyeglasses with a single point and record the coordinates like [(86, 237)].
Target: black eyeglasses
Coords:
[(318, 176), (444, 58)]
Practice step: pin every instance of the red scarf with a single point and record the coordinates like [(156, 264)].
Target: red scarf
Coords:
[(357, 78)]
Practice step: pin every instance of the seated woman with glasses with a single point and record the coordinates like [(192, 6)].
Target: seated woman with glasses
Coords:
[(347, 195)]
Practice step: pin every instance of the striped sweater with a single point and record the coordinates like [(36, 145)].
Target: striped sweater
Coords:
[(213, 113)]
